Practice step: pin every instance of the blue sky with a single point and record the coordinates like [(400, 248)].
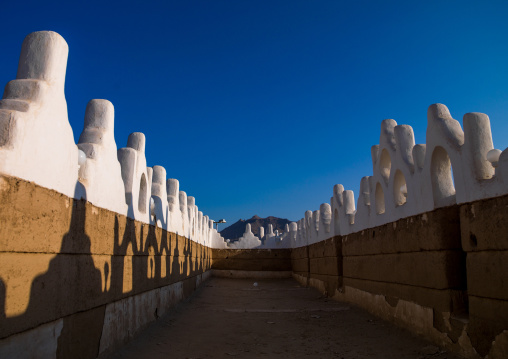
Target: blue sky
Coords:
[(260, 107)]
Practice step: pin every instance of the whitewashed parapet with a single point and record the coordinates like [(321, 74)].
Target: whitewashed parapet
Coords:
[(454, 166), (159, 214), (271, 240), (37, 144), (216, 240), (248, 240), (135, 177), (36, 139), (191, 213), (286, 239), (301, 236), (101, 173), (175, 208), (269, 233), (262, 234), (184, 217)]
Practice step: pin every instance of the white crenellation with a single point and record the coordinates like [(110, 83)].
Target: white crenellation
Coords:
[(137, 183), (325, 221), (101, 174), (184, 217), (191, 209), (36, 139), (199, 227), (269, 233), (248, 240), (206, 231), (287, 239), (37, 144), (175, 221), (159, 197), (454, 166)]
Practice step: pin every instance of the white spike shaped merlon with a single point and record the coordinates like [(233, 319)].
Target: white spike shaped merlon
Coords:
[(101, 173)]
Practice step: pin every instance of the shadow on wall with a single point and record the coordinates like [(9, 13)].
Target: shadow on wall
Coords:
[(68, 285), (88, 273)]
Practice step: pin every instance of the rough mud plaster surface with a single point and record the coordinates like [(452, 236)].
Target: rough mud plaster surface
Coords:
[(487, 319), (252, 259), (251, 274), (488, 274), (43, 341), (441, 300), (300, 263), (81, 334), (424, 269), (500, 346), (60, 256), (484, 226), (125, 318), (277, 319), (252, 253), (23, 203), (484, 230), (415, 317), (431, 231)]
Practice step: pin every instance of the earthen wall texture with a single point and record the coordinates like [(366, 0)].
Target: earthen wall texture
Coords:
[(484, 236), (443, 274), (66, 258), (451, 262), (270, 260)]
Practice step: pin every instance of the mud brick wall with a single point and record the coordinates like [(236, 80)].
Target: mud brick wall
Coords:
[(484, 228), (325, 263), (442, 274), (418, 259), (273, 260), (300, 262), (66, 265)]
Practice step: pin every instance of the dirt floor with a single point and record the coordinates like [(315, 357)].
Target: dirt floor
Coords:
[(229, 318)]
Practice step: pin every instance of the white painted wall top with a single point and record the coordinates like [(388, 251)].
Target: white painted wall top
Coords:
[(37, 144)]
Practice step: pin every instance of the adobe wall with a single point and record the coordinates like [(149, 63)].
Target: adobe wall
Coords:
[(88, 232), (484, 235), (77, 280), (251, 263), (441, 274)]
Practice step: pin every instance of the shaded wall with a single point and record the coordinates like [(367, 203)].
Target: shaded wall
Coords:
[(78, 281), (252, 263), (484, 234), (81, 280), (441, 274)]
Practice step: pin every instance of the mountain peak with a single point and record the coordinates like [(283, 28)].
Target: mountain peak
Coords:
[(255, 217)]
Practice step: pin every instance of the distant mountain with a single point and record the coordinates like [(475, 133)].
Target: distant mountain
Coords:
[(237, 229)]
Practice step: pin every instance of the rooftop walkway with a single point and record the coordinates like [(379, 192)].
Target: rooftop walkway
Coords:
[(229, 318)]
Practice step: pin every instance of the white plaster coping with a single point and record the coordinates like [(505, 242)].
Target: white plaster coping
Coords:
[(184, 217), (135, 177), (159, 197), (247, 241), (410, 179), (101, 173), (175, 207), (36, 139)]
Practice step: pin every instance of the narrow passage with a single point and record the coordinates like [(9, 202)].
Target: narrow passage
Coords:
[(233, 318)]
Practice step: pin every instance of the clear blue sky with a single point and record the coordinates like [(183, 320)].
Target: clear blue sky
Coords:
[(260, 107)]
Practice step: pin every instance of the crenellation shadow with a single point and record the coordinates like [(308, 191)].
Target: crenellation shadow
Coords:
[(74, 292), (72, 284)]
